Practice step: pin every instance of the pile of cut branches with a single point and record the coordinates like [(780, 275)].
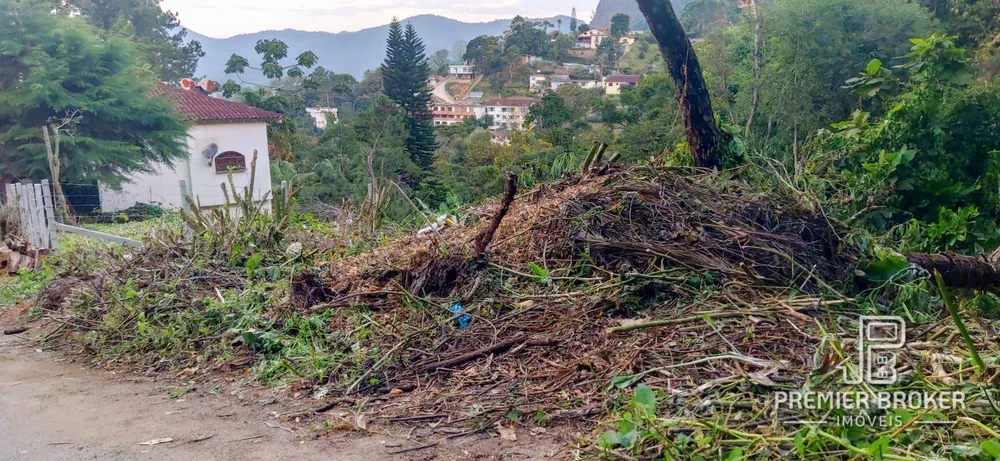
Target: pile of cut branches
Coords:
[(587, 279)]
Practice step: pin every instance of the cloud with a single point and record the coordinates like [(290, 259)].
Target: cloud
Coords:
[(224, 18)]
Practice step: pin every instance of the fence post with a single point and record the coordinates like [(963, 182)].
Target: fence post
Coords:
[(284, 193), (188, 232), (184, 194), (26, 217), (42, 229), (50, 214)]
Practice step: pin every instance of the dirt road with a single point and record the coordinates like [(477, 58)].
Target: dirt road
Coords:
[(52, 409), (55, 410)]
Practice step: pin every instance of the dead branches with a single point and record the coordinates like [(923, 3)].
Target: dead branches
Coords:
[(496, 348), (486, 236)]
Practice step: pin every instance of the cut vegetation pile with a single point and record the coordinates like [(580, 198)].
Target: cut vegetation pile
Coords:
[(694, 285), (591, 289)]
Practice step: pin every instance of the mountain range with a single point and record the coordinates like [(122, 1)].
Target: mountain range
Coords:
[(347, 52), (355, 52), (608, 8)]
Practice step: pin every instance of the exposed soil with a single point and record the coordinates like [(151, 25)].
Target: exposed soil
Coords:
[(54, 409)]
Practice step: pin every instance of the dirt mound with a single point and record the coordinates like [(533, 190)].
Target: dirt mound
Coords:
[(588, 279)]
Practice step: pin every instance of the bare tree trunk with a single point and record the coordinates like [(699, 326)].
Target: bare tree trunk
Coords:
[(758, 24), (52, 149), (692, 94)]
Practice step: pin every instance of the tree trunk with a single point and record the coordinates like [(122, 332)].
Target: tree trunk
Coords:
[(692, 94), (960, 271), (52, 149), (758, 24)]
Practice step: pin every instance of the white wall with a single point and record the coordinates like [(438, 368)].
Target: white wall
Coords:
[(202, 180)]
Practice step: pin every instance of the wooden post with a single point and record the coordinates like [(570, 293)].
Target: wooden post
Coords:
[(26, 227), (184, 194), (41, 233), (188, 232), (284, 193), (50, 214)]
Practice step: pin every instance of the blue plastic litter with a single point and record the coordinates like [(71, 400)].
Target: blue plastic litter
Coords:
[(464, 320)]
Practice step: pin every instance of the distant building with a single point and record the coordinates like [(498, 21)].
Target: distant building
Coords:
[(536, 81), (508, 113), (556, 81), (613, 84), (545, 83), (451, 114), (628, 40), (474, 96), (321, 115), (500, 138), (591, 39), (462, 71)]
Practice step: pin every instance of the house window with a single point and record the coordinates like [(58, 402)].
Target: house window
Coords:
[(230, 162)]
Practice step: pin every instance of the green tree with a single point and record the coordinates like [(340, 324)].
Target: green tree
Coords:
[(932, 158), (559, 50), (337, 167), (282, 134), (156, 33), (621, 24), (58, 72), (607, 56), (405, 73), (811, 48), (485, 53), (524, 35), (701, 15), (439, 62), (973, 21), (331, 89), (550, 112)]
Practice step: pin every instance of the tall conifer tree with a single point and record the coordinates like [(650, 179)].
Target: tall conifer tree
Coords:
[(405, 74)]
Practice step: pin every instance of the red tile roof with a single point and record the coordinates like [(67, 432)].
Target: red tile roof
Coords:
[(200, 107), (511, 102), (622, 79)]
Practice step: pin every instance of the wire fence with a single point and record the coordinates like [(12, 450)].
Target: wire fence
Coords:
[(35, 207), (36, 210), (90, 201)]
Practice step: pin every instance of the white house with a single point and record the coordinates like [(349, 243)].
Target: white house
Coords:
[(535, 81), (221, 141), (591, 39), (462, 71), (322, 114), (628, 40), (508, 113)]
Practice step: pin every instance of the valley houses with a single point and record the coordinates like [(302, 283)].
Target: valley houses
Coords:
[(508, 113), (453, 113)]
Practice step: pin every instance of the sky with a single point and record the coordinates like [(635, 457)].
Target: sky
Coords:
[(225, 18)]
